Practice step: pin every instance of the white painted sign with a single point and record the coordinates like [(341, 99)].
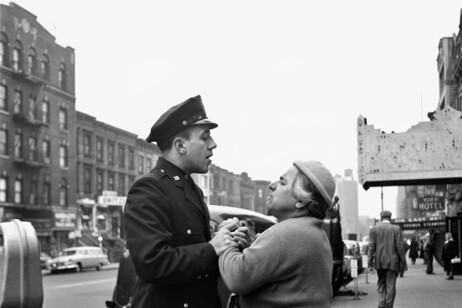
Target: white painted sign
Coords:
[(354, 268)]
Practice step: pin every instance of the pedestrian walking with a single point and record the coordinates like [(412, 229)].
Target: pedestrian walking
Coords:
[(167, 220), (387, 255), (449, 252), (430, 251), (413, 250)]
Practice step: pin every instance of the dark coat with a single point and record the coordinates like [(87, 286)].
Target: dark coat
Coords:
[(414, 250), (386, 247), (167, 227), (449, 252)]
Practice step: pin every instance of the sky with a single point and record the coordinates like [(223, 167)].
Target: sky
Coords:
[(285, 80)]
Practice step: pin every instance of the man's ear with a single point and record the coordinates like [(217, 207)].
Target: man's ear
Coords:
[(179, 144)]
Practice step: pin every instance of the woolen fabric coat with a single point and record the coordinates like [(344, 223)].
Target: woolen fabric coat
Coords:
[(167, 227), (288, 265), (448, 253), (386, 247)]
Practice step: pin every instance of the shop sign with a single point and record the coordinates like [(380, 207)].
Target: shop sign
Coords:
[(428, 204), (420, 223), (112, 200), (65, 220)]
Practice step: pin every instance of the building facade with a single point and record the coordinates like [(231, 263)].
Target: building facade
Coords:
[(37, 125), (347, 191)]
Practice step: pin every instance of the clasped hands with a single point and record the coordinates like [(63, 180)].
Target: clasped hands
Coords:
[(231, 233)]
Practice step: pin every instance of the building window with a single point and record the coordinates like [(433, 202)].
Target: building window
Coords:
[(33, 154), (45, 111), (45, 67), (110, 153), (46, 191), (46, 151), (2, 52), (33, 191), (18, 153), (111, 182), (31, 62), (87, 179), (121, 156), (3, 188), (148, 164), (3, 141), (17, 101), (87, 145), (131, 179), (63, 193), (3, 98), (63, 163), (62, 118), (140, 164), (121, 190), (16, 59), (99, 182), (62, 76), (99, 149), (131, 159), (18, 191), (32, 110)]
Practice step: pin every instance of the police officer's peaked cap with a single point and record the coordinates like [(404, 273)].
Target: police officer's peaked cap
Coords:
[(179, 117)]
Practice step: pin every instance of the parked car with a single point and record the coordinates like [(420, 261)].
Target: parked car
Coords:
[(44, 260), (79, 258)]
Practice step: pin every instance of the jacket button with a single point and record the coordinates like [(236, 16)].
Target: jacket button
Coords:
[(200, 277), (188, 231), (185, 305)]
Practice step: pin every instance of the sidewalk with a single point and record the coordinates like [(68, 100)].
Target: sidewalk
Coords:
[(415, 289)]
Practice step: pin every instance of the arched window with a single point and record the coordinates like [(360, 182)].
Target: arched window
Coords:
[(45, 67), (63, 192), (17, 57), (3, 49), (32, 62), (62, 76)]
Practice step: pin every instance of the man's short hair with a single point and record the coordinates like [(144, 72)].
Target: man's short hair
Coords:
[(385, 214)]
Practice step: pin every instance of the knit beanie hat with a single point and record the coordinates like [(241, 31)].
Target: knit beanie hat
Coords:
[(321, 178)]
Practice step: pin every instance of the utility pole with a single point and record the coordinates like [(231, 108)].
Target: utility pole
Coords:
[(381, 196)]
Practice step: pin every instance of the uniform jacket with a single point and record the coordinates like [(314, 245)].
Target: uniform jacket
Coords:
[(167, 227), (386, 247), (288, 265)]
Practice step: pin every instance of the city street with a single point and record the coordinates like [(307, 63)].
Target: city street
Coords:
[(415, 289), (89, 289)]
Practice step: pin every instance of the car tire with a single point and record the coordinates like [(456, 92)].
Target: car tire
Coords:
[(78, 269), (98, 267)]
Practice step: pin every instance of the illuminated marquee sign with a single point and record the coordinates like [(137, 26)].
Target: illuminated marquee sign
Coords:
[(420, 223)]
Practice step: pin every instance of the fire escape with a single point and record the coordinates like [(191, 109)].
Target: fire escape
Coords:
[(28, 120)]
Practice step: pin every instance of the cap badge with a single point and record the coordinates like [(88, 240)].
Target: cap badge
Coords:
[(176, 178)]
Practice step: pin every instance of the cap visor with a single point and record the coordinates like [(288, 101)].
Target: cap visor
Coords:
[(211, 124)]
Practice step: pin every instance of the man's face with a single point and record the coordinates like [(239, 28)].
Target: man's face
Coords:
[(281, 200), (198, 149)]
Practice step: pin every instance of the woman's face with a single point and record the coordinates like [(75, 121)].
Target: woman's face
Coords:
[(281, 200)]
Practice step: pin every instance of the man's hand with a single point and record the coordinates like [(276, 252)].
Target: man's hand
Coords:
[(229, 234)]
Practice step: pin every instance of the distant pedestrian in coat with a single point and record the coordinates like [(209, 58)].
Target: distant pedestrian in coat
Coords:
[(449, 252), (430, 251), (388, 256), (414, 250)]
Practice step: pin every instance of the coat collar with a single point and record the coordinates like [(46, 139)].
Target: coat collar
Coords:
[(179, 178)]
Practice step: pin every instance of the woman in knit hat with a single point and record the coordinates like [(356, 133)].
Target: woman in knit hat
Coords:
[(290, 264)]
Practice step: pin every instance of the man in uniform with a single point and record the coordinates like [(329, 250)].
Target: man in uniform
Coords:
[(167, 220), (387, 254)]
